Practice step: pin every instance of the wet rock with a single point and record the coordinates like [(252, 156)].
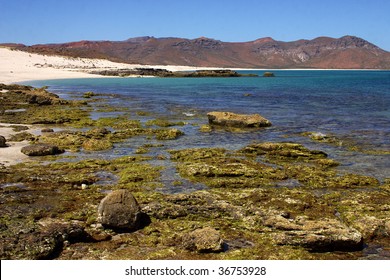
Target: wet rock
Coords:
[(43, 240), (321, 236), (268, 74), (229, 119), (285, 150), (2, 142), (22, 136), (97, 133), (168, 134), (63, 230), (203, 240), (120, 210), (41, 150)]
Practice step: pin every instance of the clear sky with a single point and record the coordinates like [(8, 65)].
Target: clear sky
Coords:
[(49, 21)]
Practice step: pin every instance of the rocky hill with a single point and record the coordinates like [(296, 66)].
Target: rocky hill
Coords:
[(322, 52)]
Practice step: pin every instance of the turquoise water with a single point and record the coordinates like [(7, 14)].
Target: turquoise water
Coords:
[(353, 105)]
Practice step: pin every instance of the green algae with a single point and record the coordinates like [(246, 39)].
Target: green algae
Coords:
[(246, 201), (164, 123)]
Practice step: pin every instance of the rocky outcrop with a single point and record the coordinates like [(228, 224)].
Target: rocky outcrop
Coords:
[(177, 74), (268, 74), (120, 210), (2, 142), (45, 240), (41, 150), (229, 119), (316, 235), (203, 240)]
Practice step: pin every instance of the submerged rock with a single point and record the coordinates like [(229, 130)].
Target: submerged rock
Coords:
[(203, 240), (237, 120), (41, 150), (120, 210)]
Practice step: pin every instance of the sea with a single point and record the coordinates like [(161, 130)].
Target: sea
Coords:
[(351, 106)]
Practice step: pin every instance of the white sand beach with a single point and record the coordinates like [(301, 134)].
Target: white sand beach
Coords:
[(18, 66)]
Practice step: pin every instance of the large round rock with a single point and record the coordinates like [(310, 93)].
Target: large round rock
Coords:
[(120, 210)]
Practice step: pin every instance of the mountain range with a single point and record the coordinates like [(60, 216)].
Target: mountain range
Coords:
[(348, 52)]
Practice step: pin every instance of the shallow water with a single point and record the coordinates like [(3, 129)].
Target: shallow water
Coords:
[(352, 105)]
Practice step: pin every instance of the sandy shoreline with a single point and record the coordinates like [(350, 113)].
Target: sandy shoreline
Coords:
[(11, 154), (17, 66)]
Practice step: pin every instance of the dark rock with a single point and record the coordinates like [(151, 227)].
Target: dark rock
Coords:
[(41, 150), (2, 142), (47, 130), (268, 74), (120, 210), (203, 240), (237, 120)]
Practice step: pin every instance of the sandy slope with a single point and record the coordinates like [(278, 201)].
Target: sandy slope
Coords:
[(18, 66)]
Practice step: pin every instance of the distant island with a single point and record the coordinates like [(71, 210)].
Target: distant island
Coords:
[(347, 52)]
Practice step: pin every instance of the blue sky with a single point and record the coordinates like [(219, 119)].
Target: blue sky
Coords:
[(48, 21)]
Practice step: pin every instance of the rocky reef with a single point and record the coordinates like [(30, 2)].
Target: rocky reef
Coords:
[(264, 200), (163, 73)]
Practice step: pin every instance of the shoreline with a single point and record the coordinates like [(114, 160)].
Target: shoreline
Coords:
[(18, 67), (12, 154)]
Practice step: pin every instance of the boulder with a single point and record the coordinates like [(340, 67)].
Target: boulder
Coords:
[(41, 150), (2, 142), (120, 210), (203, 240), (237, 120)]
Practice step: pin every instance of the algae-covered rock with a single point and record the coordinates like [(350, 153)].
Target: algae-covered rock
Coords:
[(284, 150), (322, 235), (41, 150), (229, 119), (120, 210), (22, 136), (97, 145), (168, 134), (203, 240), (268, 74)]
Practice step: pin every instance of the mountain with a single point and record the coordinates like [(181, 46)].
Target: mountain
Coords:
[(322, 52)]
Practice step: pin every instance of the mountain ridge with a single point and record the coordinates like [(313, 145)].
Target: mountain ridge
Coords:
[(347, 52)]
